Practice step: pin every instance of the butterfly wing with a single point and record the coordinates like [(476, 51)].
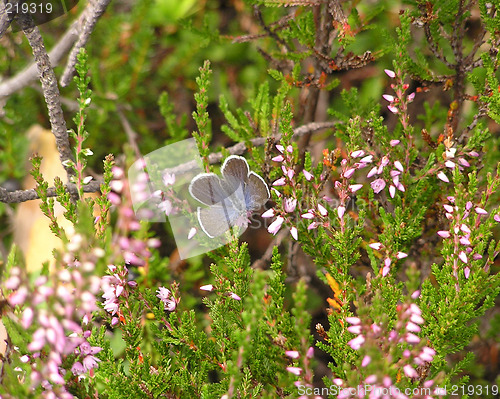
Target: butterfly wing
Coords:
[(216, 219), (235, 171), (256, 192), (207, 188)]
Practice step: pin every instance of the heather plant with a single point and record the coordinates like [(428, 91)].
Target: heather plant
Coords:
[(376, 268)]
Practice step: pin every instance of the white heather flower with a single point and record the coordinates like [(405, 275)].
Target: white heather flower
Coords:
[(443, 177), (294, 232), (275, 226)]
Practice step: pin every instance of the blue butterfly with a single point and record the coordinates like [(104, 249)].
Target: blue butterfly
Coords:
[(230, 200)]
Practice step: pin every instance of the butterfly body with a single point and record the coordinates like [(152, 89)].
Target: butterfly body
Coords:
[(229, 200)]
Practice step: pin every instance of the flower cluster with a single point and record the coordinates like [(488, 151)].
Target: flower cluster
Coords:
[(210, 288), (305, 372), (405, 348), (388, 259), (51, 311)]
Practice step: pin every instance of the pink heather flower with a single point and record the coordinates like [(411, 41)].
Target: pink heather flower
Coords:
[(371, 379), (356, 343), (27, 318), (450, 164), (451, 199), (366, 361), (290, 204), (234, 296), (477, 256), (465, 228), (462, 256), (294, 233), (387, 262), (117, 172), (414, 309), (168, 179), (355, 187), (372, 172), (367, 159), (208, 287), (268, 214), (481, 211), (444, 234), (354, 329), (390, 73), (280, 182), (280, 148), (166, 297), (341, 211), (415, 318), (394, 143), (357, 153), (310, 352), (116, 185), (463, 162), (375, 245), (388, 97), (443, 177), (412, 327), (278, 158), (338, 382), (375, 328), (392, 191), (448, 208), (416, 294), (313, 225), (292, 354), (412, 338), (466, 272), (411, 97), (348, 173), (464, 241), (393, 109), (410, 371), (307, 175), (399, 166), (294, 370), (474, 154), (497, 218), (385, 271), (353, 320), (278, 194), (275, 226), (307, 215), (468, 205), (322, 210), (378, 185), (289, 148), (401, 255)]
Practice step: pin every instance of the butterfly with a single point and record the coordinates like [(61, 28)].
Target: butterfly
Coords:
[(229, 200)]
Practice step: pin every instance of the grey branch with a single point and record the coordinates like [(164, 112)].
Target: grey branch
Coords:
[(30, 73), (241, 147), (11, 197), (50, 89), (92, 14)]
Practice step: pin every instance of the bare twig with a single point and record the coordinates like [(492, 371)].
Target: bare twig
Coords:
[(49, 87), (92, 14), (241, 147), (30, 73), (94, 186), (11, 197), (5, 18)]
